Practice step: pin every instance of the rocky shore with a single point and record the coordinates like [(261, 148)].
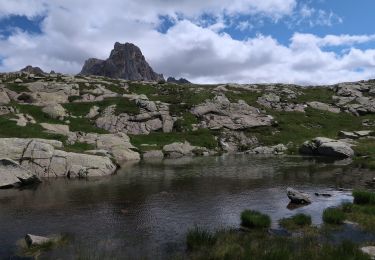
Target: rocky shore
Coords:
[(54, 125)]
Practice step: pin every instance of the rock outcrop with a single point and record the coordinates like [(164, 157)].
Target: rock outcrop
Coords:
[(41, 157), (154, 116), (178, 81), (33, 70), (327, 147), (12, 174), (221, 113), (126, 61)]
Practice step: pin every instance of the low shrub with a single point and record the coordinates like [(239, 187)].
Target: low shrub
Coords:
[(296, 221), (255, 219), (364, 197), (333, 216)]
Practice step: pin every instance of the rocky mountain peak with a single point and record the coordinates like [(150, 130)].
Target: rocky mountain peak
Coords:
[(126, 61), (32, 70)]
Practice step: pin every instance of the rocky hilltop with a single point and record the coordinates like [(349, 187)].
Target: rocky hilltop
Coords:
[(55, 125), (126, 61)]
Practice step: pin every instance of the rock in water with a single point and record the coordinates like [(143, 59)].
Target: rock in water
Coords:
[(126, 61), (14, 175), (297, 197), (327, 147), (32, 240)]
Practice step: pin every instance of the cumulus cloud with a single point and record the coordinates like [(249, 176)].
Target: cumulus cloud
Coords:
[(73, 31)]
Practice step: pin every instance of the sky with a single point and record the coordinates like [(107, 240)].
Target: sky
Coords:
[(305, 42)]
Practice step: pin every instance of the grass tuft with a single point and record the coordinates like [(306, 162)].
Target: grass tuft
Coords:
[(333, 216), (296, 221), (255, 219)]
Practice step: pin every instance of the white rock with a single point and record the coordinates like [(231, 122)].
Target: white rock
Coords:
[(297, 197), (370, 250), (14, 175), (56, 128)]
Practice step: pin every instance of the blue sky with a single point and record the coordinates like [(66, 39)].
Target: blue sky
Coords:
[(246, 41)]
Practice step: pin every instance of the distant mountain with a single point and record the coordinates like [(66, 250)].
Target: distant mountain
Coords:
[(126, 61), (178, 81), (32, 70)]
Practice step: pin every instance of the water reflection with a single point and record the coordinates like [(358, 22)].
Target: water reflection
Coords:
[(146, 209)]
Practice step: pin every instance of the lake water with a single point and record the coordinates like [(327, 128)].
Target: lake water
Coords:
[(146, 209)]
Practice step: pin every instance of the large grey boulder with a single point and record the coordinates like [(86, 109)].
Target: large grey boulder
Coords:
[(40, 157), (56, 128), (55, 111), (176, 150), (327, 147), (221, 113), (125, 61), (297, 197), (4, 98), (324, 107), (14, 175)]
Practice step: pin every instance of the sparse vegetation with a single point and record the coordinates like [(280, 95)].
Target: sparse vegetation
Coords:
[(334, 216), (296, 221), (254, 219)]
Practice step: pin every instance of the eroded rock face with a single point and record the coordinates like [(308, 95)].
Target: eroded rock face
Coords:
[(153, 117), (273, 101), (327, 147), (356, 98), (40, 157), (221, 113), (14, 175), (125, 61)]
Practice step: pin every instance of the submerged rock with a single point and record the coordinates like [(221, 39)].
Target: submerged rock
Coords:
[(297, 197)]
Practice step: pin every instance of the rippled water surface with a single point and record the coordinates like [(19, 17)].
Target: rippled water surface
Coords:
[(146, 209)]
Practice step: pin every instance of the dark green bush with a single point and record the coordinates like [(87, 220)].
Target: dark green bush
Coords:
[(255, 219), (333, 216), (363, 197), (299, 220)]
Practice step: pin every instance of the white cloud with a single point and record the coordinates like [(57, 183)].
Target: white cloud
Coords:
[(76, 30)]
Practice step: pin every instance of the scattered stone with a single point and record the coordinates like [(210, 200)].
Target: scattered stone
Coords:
[(94, 111), (297, 197), (323, 194), (276, 149), (23, 120), (18, 80)]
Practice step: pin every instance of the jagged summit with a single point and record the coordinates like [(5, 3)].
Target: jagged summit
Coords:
[(126, 61), (33, 70)]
